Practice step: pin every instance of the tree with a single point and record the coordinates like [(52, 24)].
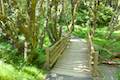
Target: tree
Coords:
[(26, 25)]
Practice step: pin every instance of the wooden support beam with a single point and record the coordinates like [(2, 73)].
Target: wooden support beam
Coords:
[(54, 52)]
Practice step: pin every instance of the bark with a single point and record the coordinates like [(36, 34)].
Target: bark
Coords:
[(91, 36), (48, 15), (52, 21), (2, 7), (33, 38), (61, 16), (74, 4), (55, 18)]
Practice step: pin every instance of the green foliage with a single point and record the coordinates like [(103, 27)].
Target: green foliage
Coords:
[(40, 60), (36, 73), (8, 72), (110, 46), (118, 74), (82, 14), (104, 54), (115, 46), (104, 14), (100, 32), (46, 42), (9, 54), (105, 47), (80, 31), (102, 48)]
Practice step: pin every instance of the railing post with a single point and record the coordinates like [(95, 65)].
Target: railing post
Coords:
[(94, 65), (47, 58), (93, 57), (56, 50)]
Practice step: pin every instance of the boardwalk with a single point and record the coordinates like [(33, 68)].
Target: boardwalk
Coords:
[(73, 63)]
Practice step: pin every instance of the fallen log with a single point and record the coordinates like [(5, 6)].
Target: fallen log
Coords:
[(111, 63)]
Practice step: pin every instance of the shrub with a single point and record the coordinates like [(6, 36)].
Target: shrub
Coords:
[(9, 54)]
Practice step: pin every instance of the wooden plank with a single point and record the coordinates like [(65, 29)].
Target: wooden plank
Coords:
[(58, 53), (53, 53), (47, 64), (74, 61)]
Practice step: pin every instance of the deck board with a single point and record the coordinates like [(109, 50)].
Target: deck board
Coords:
[(74, 61)]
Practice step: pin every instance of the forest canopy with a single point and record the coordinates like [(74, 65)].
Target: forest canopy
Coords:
[(29, 27)]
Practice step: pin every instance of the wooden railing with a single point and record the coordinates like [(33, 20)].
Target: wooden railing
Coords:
[(54, 52), (93, 57)]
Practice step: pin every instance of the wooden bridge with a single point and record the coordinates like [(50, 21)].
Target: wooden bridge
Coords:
[(71, 58)]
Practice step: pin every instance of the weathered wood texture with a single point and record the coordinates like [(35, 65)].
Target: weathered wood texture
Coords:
[(54, 52), (74, 61), (93, 61)]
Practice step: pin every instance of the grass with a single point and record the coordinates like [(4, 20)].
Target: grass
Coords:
[(10, 62), (9, 72)]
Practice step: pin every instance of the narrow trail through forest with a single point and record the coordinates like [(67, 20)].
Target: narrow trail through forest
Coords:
[(73, 63)]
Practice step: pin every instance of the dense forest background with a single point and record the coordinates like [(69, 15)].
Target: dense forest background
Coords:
[(28, 27)]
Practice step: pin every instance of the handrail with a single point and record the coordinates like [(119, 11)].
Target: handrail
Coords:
[(93, 56), (54, 52)]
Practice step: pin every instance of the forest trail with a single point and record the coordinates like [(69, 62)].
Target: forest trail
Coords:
[(73, 64)]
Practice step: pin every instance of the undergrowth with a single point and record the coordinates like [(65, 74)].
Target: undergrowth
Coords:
[(13, 66), (105, 47), (9, 72)]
